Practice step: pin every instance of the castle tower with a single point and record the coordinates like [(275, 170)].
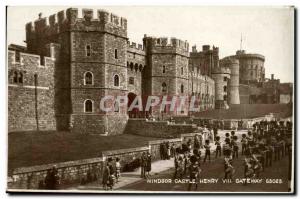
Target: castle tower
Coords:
[(204, 61), (91, 65), (252, 68), (233, 64), (166, 73), (221, 76)]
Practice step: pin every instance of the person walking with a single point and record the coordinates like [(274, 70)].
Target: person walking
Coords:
[(143, 165), (148, 164), (218, 147)]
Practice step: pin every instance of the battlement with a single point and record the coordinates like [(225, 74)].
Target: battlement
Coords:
[(134, 45), (205, 48), (71, 17), (27, 59), (168, 42)]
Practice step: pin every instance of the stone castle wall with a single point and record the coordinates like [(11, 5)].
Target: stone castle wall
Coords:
[(30, 93)]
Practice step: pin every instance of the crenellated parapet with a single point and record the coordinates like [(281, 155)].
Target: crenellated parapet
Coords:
[(69, 20), (135, 48), (166, 45)]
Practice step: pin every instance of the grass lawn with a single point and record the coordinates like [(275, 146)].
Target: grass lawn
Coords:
[(36, 148), (242, 111)]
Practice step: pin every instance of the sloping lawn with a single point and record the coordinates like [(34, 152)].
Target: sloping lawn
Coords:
[(36, 148)]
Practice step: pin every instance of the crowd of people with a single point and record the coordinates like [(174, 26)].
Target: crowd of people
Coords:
[(265, 143)]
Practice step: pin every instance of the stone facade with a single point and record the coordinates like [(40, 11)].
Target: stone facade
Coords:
[(251, 67), (85, 59), (30, 92)]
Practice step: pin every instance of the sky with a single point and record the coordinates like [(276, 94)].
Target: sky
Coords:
[(265, 30)]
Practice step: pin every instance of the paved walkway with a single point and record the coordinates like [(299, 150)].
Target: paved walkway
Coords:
[(128, 178)]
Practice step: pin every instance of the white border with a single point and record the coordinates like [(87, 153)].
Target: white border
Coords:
[(3, 72)]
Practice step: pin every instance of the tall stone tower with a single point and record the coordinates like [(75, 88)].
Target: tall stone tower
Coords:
[(91, 64), (167, 69), (221, 76), (233, 64)]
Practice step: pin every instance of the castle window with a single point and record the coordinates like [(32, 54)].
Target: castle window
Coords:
[(181, 70), (17, 56), (21, 77), (88, 78), (42, 61), (88, 50), (140, 67), (225, 79), (15, 77), (116, 80), (131, 66), (116, 107), (225, 97), (131, 80), (225, 88), (164, 87), (88, 106), (116, 53), (164, 69), (182, 88)]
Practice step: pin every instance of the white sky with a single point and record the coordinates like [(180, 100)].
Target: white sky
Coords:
[(266, 30)]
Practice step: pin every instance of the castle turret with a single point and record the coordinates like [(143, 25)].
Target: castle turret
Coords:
[(167, 68), (221, 76), (233, 64)]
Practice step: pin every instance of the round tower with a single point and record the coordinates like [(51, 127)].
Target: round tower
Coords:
[(233, 92), (221, 76)]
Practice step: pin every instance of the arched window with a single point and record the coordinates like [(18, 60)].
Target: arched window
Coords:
[(225, 97), (88, 106), (181, 70), (164, 69), (140, 67), (225, 88), (136, 67), (182, 88), (164, 87), (131, 66), (21, 77), (15, 77), (88, 50), (88, 78), (116, 80)]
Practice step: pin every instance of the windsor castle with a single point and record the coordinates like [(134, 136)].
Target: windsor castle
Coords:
[(57, 80)]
